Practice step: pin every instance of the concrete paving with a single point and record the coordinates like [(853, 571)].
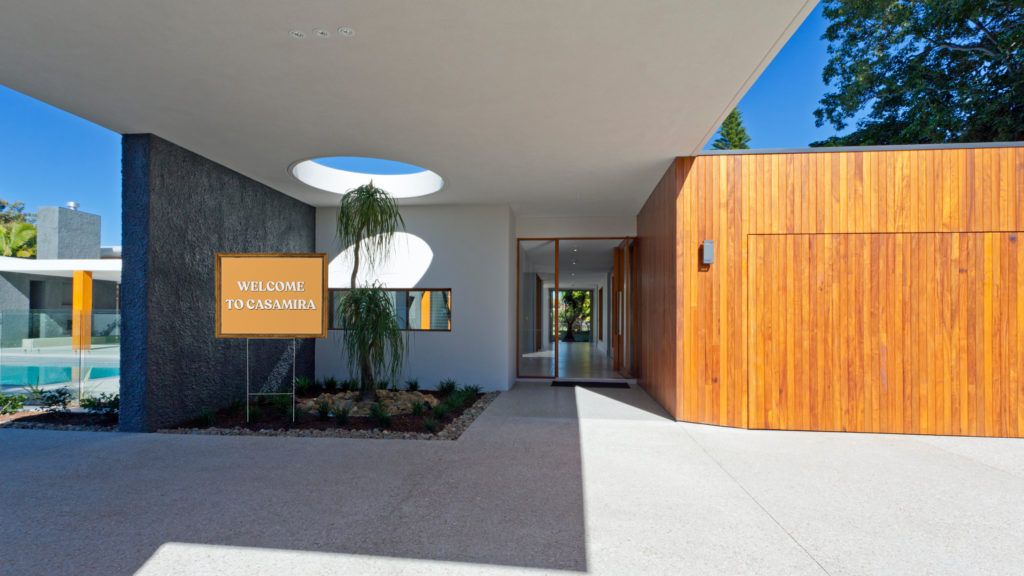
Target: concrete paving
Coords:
[(548, 480)]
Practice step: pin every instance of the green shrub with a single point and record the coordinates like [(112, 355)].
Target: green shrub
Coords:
[(282, 404), (447, 387), (255, 414), (412, 384), (429, 424), (417, 408), (302, 386), (235, 405), (105, 405), (330, 383), (381, 414), (472, 390), (57, 400), (323, 409), (205, 417), (460, 398), (11, 403), (382, 384), (341, 414), (440, 411), (35, 391)]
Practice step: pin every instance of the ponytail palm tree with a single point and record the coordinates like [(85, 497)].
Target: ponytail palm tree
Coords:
[(373, 342)]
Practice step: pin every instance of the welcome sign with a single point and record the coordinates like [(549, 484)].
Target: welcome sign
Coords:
[(271, 295)]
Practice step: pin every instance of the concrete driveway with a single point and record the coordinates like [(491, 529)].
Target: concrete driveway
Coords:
[(548, 480)]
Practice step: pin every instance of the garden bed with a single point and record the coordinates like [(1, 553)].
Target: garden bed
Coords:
[(58, 421), (231, 422)]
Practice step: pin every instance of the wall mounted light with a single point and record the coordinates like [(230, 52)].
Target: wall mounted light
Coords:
[(709, 252)]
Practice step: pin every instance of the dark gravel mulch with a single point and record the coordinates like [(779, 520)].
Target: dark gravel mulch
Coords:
[(58, 419), (274, 420)]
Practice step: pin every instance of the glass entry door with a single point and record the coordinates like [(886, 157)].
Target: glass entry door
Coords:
[(570, 299), (538, 310)]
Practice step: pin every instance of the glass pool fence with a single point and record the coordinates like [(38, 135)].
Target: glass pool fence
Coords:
[(43, 350)]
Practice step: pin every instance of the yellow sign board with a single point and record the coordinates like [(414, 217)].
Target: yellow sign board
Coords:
[(271, 295)]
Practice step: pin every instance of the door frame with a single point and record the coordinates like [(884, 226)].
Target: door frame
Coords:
[(625, 239)]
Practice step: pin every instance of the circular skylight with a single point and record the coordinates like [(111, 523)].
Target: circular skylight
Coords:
[(339, 174)]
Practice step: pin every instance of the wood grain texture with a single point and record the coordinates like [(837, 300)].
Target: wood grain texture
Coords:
[(864, 291)]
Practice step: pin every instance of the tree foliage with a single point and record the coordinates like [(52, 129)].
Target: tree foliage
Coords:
[(732, 135), (926, 71), (18, 240), (574, 310), (368, 219), (14, 213), (373, 342)]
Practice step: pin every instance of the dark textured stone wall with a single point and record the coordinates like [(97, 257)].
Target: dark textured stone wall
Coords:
[(179, 209), (64, 233)]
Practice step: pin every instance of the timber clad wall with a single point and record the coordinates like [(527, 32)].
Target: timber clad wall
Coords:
[(656, 345), (861, 291)]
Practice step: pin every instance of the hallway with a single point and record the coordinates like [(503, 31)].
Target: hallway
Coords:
[(575, 360)]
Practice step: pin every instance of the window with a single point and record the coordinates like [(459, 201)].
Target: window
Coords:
[(420, 310)]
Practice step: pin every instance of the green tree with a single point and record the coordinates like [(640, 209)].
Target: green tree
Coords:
[(925, 71), (18, 240), (373, 343), (14, 213), (574, 310), (732, 135)]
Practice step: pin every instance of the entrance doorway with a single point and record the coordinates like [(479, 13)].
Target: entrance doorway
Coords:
[(574, 308)]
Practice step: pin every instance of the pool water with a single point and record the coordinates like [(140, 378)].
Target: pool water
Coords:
[(43, 375)]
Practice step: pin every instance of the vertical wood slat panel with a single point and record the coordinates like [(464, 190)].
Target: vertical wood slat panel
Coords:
[(958, 346), (839, 194)]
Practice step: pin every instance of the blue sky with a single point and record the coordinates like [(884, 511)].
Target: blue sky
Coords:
[(778, 110), (49, 157)]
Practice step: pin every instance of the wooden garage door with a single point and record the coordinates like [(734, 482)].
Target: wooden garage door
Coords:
[(917, 333)]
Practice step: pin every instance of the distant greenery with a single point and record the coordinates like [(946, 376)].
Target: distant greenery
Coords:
[(575, 310), (14, 213), (732, 135), (926, 71)]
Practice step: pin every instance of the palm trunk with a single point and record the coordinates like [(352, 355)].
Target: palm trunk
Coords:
[(355, 266), (367, 389)]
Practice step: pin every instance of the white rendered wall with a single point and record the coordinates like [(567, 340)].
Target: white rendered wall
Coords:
[(473, 254), (584, 227)]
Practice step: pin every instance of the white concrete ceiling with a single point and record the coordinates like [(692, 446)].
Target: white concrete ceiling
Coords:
[(557, 107)]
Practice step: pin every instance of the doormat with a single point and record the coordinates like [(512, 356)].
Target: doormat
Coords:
[(589, 384)]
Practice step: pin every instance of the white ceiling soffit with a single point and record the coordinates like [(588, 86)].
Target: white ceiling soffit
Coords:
[(559, 108)]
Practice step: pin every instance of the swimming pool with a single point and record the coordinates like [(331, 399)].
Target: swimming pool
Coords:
[(44, 375)]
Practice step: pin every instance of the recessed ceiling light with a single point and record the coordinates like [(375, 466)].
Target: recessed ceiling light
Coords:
[(297, 34), (321, 33), (346, 32)]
